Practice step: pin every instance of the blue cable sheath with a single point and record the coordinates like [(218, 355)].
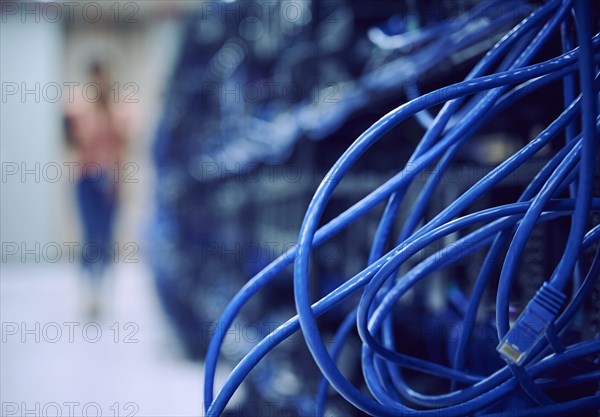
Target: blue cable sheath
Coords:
[(383, 192), (573, 166), (308, 229), (587, 166), (391, 296), (530, 50), (525, 228), (336, 349), (462, 247), (449, 108), (569, 94), (593, 376), (347, 289), (492, 256), (502, 104)]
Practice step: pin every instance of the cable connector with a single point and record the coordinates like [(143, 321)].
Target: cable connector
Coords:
[(516, 346)]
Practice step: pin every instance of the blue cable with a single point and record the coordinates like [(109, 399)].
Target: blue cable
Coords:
[(401, 287), (405, 279), (336, 349), (307, 232), (569, 94), (384, 191), (521, 58), (525, 228), (350, 287), (279, 264), (481, 281), (588, 158), (450, 108), (520, 343), (485, 96), (492, 256), (460, 248)]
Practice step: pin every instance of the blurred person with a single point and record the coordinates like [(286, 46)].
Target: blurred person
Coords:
[(96, 131)]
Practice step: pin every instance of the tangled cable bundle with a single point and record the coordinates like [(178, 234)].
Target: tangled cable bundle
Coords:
[(533, 348)]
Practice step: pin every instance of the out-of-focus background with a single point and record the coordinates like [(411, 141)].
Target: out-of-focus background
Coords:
[(208, 125), (57, 359)]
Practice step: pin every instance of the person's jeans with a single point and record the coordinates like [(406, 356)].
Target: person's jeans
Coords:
[(97, 206)]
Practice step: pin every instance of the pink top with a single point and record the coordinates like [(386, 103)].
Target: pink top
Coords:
[(98, 132)]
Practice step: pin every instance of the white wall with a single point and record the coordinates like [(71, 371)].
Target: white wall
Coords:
[(30, 130)]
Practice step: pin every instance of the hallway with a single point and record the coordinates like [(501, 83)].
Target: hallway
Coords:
[(56, 361)]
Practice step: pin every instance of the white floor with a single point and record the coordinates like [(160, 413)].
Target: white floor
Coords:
[(72, 369)]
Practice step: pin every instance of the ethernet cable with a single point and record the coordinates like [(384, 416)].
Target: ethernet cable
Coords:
[(530, 360), (371, 200)]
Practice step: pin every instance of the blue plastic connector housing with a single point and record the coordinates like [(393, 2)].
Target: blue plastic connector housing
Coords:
[(517, 345)]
